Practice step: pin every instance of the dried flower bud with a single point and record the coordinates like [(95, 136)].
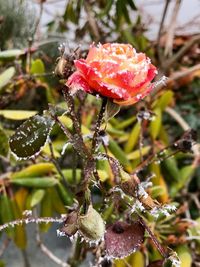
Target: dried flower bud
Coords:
[(122, 239), (91, 225), (70, 226), (130, 185)]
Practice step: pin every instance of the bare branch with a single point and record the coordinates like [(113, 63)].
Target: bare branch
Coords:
[(182, 51), (49, 253), (171, 29)]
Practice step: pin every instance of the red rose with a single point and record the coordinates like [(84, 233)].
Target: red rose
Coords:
[(116, 71)]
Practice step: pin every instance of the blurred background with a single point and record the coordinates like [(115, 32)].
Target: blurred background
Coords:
[(30, 34)]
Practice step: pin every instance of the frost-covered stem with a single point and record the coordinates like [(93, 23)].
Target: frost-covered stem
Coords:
[(162, 251), (77, 142), (30, 220), (98, 125), (70, 102)]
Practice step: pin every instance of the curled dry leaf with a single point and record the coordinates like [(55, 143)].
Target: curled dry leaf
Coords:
[(122, 239), (70, 225)]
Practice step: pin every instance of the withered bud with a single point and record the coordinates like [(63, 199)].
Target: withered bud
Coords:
[(91, 225), (129, 184), (65, 65), (186, 142), (70, 225)]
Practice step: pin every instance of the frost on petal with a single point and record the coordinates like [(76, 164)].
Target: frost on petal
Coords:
[(122, 239), (116, 71), (77, 82)]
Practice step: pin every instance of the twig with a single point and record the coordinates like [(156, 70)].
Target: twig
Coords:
[(161, 28), (47, 252), (181, 52), (162, 251), (92, 22), (30, 220), (171, 29), (38, 19), (174, 77), (184, 125), (5, 244)]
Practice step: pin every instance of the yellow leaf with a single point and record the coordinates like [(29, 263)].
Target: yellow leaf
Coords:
[(17, 114)]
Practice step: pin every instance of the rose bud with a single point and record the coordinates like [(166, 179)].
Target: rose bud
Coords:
[(122, 239), (91, 225), (115, 71)]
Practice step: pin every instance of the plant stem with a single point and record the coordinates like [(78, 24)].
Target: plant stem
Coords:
[(98, 124)]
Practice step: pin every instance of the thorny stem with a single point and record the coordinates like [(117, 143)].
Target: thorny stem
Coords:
[(162, 251), (30, 220), (77, 139), (74, 260), (98, 124)]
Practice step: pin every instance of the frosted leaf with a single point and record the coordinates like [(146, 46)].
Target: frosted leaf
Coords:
[(30, 137)]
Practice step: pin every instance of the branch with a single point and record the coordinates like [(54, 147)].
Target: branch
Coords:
[(5, 244), (30, 220), (182, 51), (48, 253), (92, 21), (174, 77), (161, 27), (185, 126), (171, 29)]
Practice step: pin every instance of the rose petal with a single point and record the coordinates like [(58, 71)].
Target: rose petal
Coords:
[(122, 239), (77, 82)]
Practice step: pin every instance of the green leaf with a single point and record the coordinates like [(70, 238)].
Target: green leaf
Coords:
[(155, 124), (35, 182), (6, 213), (65, 195), (119, 154), (31, 136), (37, 67), (46, 210), (136, 154), (132, 4), (111, 110), (184, 254), (171, 167), (4, 147), (107, 8), (37, 197), (6, 76), (35, 170), (17, 114), (133, 138), (165, 100), (10, 54)]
